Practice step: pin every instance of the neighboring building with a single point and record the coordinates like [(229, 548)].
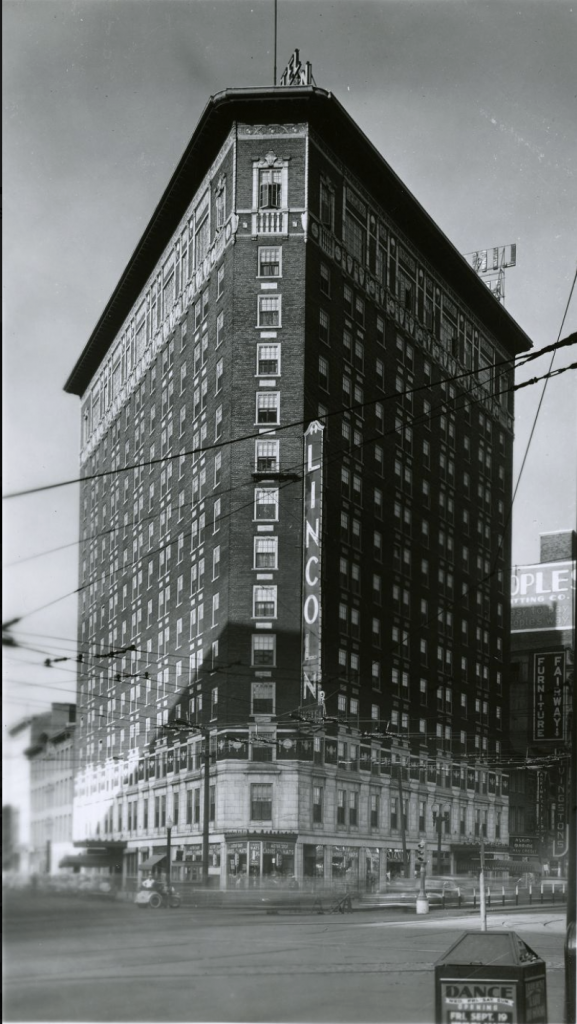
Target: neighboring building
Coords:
[(301, 393), (10, 841), (542, 679), (52, 767), (16, 792)]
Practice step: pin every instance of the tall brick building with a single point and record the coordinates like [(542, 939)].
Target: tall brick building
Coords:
[(297, 448)]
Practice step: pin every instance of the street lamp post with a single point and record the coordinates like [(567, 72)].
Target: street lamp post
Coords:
[(422, 900), (206, 807), (169, 824), (48, 847)]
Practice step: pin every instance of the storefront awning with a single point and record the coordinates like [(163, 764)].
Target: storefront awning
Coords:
[(86, 860), (153, 861), (514, 866)]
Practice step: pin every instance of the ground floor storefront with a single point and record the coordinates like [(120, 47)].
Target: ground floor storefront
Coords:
[(253, 859)]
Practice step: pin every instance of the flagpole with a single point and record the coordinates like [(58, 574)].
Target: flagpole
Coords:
[(275, 33)]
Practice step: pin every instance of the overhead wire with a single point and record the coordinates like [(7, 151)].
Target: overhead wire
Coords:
[(348, 410), (248, 504), (247, 437)]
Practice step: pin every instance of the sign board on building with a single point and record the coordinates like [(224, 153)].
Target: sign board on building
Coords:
[(496, 258), (520, 846), (560, 817), (542, 596), (312, 562), (548, 695), (297, 73)]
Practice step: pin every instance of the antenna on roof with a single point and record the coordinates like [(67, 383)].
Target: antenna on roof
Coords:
[(490, 265)]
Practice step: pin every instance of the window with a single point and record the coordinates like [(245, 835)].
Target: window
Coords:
[(323, 373), (269, 188), (341, 798), (266, 552), (268, 360), (326, 205), (355, 236), (201, 241), (220, 203), (219, 375), (219, 329), (266, 456), (353, 808), (261, 802), (262, 697), (220, 281), (325, 280), (348, 300), (218, 423), (264, 602), (269, 261), (263, 650), (217, 468), (324, 327), (268, 407), (216, 516), (266, 503), (317, 804), (269, 311)]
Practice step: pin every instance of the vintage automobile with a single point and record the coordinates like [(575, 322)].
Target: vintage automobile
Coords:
[(156, 896)]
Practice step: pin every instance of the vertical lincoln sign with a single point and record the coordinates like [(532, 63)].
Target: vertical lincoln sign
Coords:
[(312, 561), (549, 680)]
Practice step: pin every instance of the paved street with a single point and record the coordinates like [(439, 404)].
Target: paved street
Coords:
[(73, 959)]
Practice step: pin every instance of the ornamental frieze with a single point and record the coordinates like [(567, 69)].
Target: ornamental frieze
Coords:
[(271, 129), (226, 236)]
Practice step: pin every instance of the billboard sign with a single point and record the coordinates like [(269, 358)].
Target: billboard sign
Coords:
[(542, 596), (312, 562), (548, 695), (560, 817)]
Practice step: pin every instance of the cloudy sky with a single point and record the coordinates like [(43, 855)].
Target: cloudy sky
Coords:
[(471, 102)]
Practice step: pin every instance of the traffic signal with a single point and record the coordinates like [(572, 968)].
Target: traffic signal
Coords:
[(421, 852)]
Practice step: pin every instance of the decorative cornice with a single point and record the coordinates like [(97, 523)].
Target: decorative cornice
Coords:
[(279, 130)]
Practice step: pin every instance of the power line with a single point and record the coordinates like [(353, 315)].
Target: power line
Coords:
[(78, 590), (225, 443)]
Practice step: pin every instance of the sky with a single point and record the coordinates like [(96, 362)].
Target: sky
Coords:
[(471, 102)]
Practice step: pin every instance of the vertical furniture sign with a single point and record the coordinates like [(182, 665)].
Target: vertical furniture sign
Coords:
[(548, 686), (312, 561)]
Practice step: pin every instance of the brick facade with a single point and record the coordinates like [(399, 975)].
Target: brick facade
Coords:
[(287, 286)]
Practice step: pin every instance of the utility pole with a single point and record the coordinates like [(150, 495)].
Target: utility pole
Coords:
[(168, 852), (406, 865), (482, 904), (206, 805)]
